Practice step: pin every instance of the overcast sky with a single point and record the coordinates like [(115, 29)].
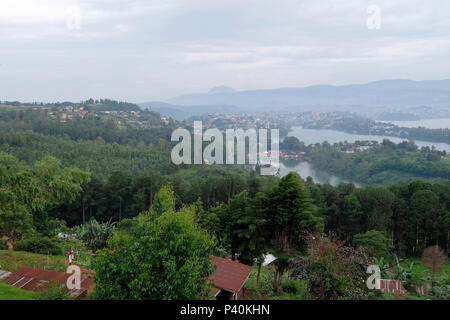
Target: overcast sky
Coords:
[(155, 49)]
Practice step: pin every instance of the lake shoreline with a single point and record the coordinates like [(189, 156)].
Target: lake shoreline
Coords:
[(313, 136)]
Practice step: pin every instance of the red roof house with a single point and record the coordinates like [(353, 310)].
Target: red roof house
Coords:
[(229, 278)]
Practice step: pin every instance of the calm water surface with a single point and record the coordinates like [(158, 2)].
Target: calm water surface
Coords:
[(426, 123), (312, 136)]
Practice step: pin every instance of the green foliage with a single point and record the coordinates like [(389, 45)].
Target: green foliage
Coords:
[(164, 201), (15, 224), (265, 286), (55, 291), (38, 243), (375, 242), (291, 286), (94, 234), (413, 273), (383, 164), (290, 211), (440, 293), (414, 215), (164, 257), (292, 144), (208, 220), (242, 224), (127, 225), (94, 125), (335, 271), (290, 214), (414, 278), (27, 194), (93, 155), (293, 290)]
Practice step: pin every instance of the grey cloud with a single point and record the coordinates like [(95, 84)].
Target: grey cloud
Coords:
[(146, 50)]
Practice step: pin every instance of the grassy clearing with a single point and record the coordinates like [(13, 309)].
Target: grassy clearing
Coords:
[(8, 292), (14, 260)]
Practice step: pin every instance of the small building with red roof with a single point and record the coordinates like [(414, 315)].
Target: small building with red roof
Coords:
[(229, 278)]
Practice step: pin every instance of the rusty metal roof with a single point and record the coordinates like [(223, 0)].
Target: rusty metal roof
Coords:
[(229, 275), (32, 279)]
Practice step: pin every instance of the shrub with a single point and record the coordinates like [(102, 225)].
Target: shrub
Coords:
[(413, 278), (265, 286), (39, 244), (446, 280), (336, 271), (440, 293), (299, 268), (55, 291), (94, 234), (3, 246), (291, 286)]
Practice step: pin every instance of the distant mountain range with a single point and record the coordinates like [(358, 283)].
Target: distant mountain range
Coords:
[(379, 95)]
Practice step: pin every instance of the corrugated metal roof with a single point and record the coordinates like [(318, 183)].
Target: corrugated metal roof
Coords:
[(32, 279), (4, 274), (229, 275)]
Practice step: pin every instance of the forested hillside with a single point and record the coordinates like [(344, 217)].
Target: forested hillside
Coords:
[(111, 185)]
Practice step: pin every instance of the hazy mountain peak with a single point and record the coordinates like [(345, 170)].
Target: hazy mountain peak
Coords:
[(383, 93)]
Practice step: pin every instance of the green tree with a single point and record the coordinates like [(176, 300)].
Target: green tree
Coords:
[(426, 217), (163, 201), (29, 193), (290, 215), (375, 242), (165, 257), (234, 221), (254, 242), (14, 224)]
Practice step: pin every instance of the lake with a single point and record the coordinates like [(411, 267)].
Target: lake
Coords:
[(305, 169), (426, 123), (312, 136)]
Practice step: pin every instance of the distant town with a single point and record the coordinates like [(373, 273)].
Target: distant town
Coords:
[(122, 114)]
